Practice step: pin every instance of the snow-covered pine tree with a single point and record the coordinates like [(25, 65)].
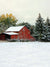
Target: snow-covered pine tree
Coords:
[(39, 26), (47, 34)]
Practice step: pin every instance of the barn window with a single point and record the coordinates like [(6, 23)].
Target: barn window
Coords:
[(23, 29)]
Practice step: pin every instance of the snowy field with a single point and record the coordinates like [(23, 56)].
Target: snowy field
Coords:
[(26, 54)]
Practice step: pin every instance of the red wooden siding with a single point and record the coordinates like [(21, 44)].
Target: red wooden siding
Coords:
[(24, 33), (2, 37), (14, 36)]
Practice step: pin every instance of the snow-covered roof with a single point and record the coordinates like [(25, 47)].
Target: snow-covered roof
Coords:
[(16, 28), (11, 33)]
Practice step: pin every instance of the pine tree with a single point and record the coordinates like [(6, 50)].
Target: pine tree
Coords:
[(39, 26), (47, 34)]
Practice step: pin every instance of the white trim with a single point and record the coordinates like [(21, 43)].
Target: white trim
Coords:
[(11, 33)]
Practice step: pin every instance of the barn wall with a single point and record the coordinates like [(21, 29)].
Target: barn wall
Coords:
[(2, 37), (14, 36), (24, 33)]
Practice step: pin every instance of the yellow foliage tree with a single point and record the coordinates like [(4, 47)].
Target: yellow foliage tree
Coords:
[(10, 15), (7, 15), (6, 21), (3, 16)]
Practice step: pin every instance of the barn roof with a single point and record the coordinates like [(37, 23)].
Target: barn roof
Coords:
[(16, 28), (11, 33)]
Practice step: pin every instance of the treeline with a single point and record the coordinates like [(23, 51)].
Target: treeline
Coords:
[(41, 29)]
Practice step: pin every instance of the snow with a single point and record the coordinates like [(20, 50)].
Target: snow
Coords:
[(16, 28), (11, 33), (24, 54)]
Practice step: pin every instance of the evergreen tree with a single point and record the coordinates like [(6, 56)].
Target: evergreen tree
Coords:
[(26, 24), (47, 29), (32, 29), (39, 26)]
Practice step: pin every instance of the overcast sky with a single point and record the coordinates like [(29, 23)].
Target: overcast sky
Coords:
[(26, 10)]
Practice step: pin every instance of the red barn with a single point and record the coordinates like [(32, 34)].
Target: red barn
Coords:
[(17, 32)]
